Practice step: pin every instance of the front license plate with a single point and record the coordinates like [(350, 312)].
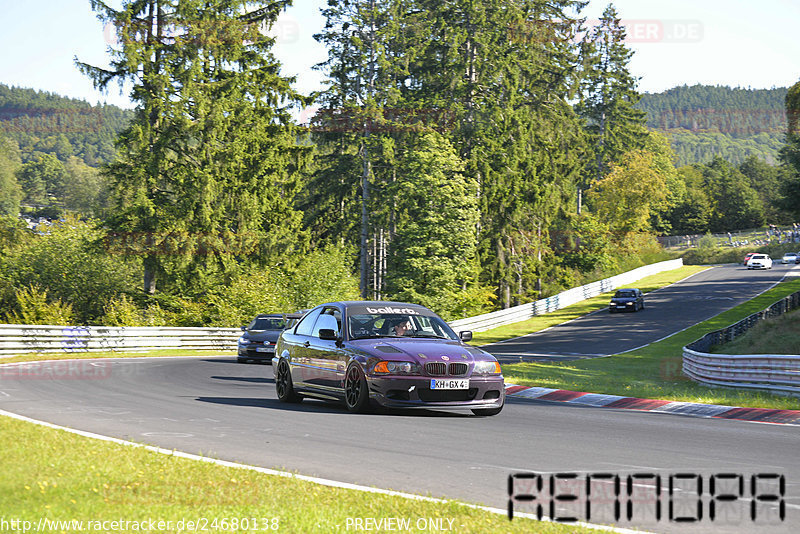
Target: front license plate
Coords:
[(461, 383), (264, 349)]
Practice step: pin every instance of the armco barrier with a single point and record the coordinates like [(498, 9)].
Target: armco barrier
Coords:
[(778, 373), (491, 320), (16, 339)]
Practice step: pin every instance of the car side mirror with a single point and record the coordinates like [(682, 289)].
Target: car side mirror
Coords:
[(244, 328), (465, 336), (328, 334)]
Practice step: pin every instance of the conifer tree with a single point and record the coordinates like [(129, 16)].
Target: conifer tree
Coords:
[(504, 71), (210, 164), (10, 190), (608, 96), (790, 154), (351, 126), (432, 256)]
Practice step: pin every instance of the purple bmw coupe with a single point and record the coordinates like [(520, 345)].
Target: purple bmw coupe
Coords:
[(388, 355)]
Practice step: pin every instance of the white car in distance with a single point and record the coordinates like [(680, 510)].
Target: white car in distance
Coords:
[(789, 257), (759, 261)]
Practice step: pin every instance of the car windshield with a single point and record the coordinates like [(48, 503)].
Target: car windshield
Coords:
[(267, 323), (623, 294), (415, 325), (758, 257)]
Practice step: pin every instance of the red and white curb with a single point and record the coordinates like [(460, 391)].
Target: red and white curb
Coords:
[(760, 415)]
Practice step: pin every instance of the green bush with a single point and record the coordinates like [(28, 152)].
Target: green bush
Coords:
[(33, 306), (322, 276), (254, 291), (121, 311), (69, 263)]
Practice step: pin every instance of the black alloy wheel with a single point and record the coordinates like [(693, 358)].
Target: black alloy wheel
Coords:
[(356, 393), (283, 384)]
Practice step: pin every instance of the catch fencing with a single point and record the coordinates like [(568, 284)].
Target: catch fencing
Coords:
[(778, 373), (516, 314), (16, 339)]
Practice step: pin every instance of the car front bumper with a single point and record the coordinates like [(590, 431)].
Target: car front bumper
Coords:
[(622, 306), (256, 352), (416, 392)]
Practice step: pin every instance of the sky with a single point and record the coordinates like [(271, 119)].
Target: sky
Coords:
[(739, 43)]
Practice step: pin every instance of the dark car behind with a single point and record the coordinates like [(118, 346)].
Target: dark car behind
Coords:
[(258, 339), (626, 300)]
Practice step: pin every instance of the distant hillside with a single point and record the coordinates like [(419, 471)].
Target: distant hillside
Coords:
[(42, 122), (705, 121)]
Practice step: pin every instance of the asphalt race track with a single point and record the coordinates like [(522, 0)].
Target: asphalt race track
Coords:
[(217, 407), (667, 311)]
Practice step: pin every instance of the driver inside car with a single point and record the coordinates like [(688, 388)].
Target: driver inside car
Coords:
[(402, 327)]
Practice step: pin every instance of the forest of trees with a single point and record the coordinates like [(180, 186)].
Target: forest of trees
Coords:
[(466, 156), (46, 123), (704, 122)]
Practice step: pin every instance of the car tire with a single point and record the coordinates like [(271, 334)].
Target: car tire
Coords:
[(356, 390), (487, 411), (283, 384), (241, 360)]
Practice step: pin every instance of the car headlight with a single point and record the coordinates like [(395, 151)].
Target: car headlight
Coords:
[(486, 368), (396, 368), (243, 341)]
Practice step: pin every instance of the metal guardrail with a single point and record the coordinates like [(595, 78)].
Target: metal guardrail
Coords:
[(566, 298), (778, 373), (16, 339)]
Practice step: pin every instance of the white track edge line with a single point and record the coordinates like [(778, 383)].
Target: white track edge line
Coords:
[(306, 478)]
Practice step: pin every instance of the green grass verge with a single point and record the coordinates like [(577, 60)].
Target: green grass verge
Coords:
[(654, 371), (40, 356), (778, 335), (53, 474), (540, 322)]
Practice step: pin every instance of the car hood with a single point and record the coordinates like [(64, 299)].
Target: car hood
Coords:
[(420, 350), (262, 335)]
